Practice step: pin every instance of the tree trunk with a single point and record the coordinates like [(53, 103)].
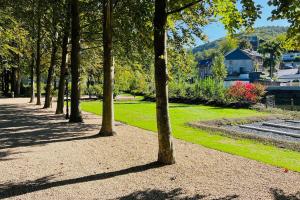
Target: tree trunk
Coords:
[(6, 81), (166, 151), (18, 82), (38, 57), (32, 95), (32, 78), (48, 94), (63, 66), (2, 82), (107, 128), (271, 66), (75, 115), (13, 83)]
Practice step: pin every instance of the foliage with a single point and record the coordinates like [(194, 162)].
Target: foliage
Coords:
[(211, 90), (263, 33), (223, 46), (272, 51), (245, 44), (13, 39), (246, 92), (218, 68), (288, 10), (203, 90)]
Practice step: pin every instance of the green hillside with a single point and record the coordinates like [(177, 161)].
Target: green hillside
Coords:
[(263, 33)]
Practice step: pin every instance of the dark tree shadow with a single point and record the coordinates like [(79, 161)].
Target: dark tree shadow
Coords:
[(5, 154), (280, 195), (15, 189), (156, 194), (20, 127)]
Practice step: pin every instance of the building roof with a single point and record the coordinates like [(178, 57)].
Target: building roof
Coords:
[(288, 75), (206, 62), (288, 78), (239, 54), (285, 88)]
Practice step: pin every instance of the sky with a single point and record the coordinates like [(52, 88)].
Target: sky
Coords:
[(216, 30)]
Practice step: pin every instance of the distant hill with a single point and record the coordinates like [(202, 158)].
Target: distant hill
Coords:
[(263, 33)]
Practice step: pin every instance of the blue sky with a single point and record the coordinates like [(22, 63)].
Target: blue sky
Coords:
[(216, 30)]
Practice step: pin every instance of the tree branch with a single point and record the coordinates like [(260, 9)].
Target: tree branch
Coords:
[(115, 3), (89, 48), (183, 7)]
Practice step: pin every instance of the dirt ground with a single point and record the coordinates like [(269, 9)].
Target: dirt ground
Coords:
[(42, 156)]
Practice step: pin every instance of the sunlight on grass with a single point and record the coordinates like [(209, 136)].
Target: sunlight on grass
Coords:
[(142, 114)]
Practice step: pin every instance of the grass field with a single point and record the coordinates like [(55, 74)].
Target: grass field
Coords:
[(142, 114)]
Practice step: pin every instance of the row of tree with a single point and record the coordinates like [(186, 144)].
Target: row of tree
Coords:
[(130, 31)]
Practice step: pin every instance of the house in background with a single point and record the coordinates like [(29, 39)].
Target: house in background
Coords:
[(204, 67), (254, 41), (290, 56), (290, 60), (243, 65)]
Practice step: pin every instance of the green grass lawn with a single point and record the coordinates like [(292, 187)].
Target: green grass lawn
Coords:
[(142, 114)]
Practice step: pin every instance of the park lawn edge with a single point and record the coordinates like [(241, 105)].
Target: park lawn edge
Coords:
[(280, 163)]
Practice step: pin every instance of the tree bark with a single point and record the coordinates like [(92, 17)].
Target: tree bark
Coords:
[(63, 66), (18, 82), (32, 95), (166, 150), (32, 78), (6, 81), (48, 94), (271, 66), (38, 56), (2, 82), (75, 115), (107, 128), (13, 79)]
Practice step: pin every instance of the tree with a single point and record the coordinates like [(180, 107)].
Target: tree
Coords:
[(54, 48), (219, 69), (13, 51), (288, 10), (166, 149), (64, 58), (272, 51), (245, 44), (227, 45), (32, 26), (189, 12), (108, 67), (75, 115), (38, 54)]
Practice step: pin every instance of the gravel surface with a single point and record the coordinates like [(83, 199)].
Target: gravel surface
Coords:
[(44, 157), (270, 134)]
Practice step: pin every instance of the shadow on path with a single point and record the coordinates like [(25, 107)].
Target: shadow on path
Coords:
[(16, 189), (20, 127), (280, 195), (177, 193)]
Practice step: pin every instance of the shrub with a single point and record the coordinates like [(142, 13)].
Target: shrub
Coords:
[(211, 90), (99, 90), (204, 90), (246, 92), (95, 90)]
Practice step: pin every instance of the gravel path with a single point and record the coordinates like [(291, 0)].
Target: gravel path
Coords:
[(44, 157)]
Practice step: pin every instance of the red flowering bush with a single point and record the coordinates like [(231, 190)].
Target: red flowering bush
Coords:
[(246, 92)]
